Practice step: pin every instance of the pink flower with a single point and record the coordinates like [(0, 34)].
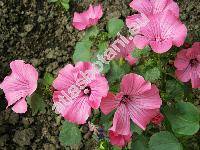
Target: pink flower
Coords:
[(151, 7), (87, 18), (162, 32), (21, 83), (158, 119), (137, 99), (119, 140), (78, 89), (147, 8), (187, 63), (126, 50)]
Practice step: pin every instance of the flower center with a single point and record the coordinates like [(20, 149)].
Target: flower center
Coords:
[(194, 62), (125, 99), (87, 91)]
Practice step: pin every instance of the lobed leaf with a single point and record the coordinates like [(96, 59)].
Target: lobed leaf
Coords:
[(184, 118), (70, 134), (164, 140)]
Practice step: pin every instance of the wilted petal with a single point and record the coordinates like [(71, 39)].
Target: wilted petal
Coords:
[(119, 140), (87, 18)]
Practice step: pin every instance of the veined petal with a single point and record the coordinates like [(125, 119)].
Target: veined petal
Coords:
[(142, 6), (181, 62), (149, 99), (121, 121), (79, 111), (133, 84), (108, 103), (20, 106), (141, 116), (161, 46)]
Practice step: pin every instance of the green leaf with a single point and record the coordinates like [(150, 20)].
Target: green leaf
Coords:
[(174, 90), (117, 71), (102, 46), (164, 140), (183, 117), (48, 79), (82, 51), (135, 128), (91, 32), (106, 120), (52, 1), (138, 53), (114, 26), (70, 134), (36, 103), (65, 4), (141, 143), (152, 74)]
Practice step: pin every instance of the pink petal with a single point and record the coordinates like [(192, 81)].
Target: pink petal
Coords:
[(183, 75), (133, 84), (131, 60), (84, 66), (94, 14), (161, 47), (142, 6), (195, 79), (79, 111), (108, 103), (65, 78), (133, 21), (119, 140), (158, 5), (20, 106), (149, 99), (140, 116), (140, 41), (56, 95), (172, 27), (80, 21), (87, 18), (196, 45), (181, 62), (172, 6), (193, 52), (26, 74), (99, 88), (121, 121), (180, 34), (21, 83)]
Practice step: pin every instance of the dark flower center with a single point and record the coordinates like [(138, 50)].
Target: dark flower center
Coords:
[(125, 99), (87, 91), (194, 62)]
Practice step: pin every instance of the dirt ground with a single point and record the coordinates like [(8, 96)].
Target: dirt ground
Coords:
[(41, 33)]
